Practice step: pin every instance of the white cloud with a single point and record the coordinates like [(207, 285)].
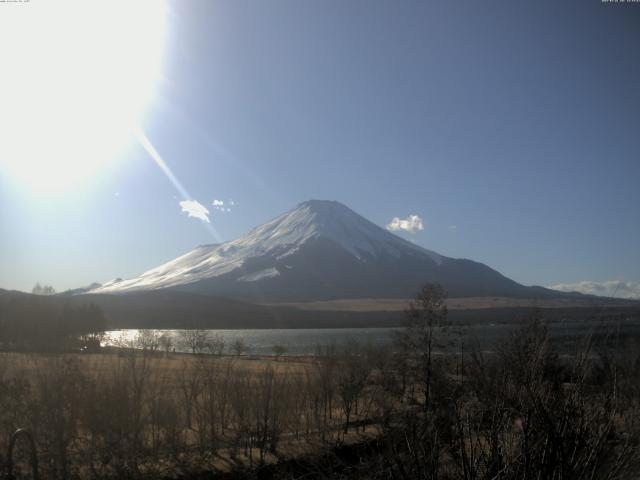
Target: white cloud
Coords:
[(411, 224), (608, 288), (231, 202), (220, 206), (195, 209)]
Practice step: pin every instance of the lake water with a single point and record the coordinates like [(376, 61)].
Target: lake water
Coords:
[(306, 341), (261, 342)]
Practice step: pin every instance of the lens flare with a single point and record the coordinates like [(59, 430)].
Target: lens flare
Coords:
[(77, 76)]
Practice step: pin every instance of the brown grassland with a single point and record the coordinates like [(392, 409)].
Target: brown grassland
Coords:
[(523, 409)]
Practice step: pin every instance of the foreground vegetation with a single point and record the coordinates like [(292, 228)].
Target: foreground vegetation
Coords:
[(522, 410)]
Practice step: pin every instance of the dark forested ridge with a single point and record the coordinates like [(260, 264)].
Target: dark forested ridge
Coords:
[(46, 322), (24, 315)]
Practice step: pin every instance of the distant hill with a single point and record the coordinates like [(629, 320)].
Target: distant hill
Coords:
[(168, 309), (172, 309)]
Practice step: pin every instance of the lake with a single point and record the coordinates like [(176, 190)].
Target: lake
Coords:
[(261, 342), (305, 341)]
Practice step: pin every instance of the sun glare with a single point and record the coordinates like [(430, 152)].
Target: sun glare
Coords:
[(76, 77)]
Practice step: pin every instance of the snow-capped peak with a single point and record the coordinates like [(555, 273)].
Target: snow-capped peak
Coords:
[(277, 239)]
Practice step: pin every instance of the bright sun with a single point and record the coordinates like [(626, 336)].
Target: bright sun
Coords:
[(76, 76)]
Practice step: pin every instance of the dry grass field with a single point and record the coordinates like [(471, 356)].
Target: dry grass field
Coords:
[(526, 408), (160, 362), (141, 413)]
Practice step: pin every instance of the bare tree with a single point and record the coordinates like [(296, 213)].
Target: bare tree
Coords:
[(269, 409), (43, 289), (216, 345), (194, 340), (166, 342), (148, 340), (239, 346), (352, 374), (426, 314), (326, 365), (279, 350)]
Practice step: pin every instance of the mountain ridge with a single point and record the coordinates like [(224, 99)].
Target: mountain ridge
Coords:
[(320, 250)]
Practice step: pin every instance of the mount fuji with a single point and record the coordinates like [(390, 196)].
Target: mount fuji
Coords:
[(320, 250)]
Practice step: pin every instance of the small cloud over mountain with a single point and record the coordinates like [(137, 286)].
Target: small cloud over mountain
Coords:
[(411, 224), (220, 205), (609, 288), (195, 209)]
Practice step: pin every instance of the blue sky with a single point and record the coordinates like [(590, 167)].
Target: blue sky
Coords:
[(510, 128)]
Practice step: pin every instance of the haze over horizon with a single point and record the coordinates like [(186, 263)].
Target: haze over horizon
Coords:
[(498, 132)]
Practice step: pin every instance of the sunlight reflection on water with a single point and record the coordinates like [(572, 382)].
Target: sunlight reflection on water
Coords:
[(295, 341), (306, 341)]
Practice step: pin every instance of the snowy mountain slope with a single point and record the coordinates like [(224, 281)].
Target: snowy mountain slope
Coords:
[(319, 250)]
